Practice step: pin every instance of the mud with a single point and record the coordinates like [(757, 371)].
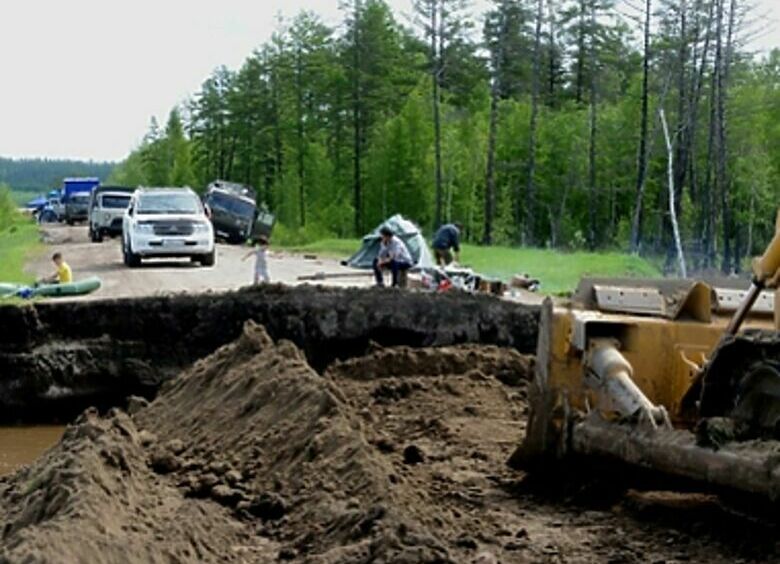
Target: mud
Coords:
[(252, 456), (58, 358)]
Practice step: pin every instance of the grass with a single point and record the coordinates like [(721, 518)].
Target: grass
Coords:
[(17, 243), (338, 248), (21, 197), (558, 271)]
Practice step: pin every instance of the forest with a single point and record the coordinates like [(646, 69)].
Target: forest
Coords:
[(41, 175), (644, 126)]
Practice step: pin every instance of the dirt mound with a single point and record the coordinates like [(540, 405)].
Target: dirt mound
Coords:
[(93, 498), (251, 456), (508, 365), (256, 429)]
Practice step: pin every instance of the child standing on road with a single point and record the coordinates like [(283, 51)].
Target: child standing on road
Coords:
[(261, 265)]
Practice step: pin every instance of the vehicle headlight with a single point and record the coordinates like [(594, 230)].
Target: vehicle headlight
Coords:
[(146, 228), (201, 227)]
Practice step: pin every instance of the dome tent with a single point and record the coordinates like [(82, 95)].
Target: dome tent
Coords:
[(405, 230)]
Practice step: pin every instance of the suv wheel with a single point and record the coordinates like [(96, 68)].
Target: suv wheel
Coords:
[(95, 235), (131, 259), (209, 259)]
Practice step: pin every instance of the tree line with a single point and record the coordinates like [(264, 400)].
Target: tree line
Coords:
[(539, 124), (41, 175)]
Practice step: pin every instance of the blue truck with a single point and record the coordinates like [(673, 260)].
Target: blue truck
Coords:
[(75, 198)]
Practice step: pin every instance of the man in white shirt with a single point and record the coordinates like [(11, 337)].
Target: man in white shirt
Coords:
[(393, 255)]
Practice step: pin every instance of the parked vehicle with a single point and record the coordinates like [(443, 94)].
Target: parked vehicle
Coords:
[(77, 208), (75, 198), (264, 223), (234, 188), (56, 205), (52, 209), (232, 210), (107, 205), (167, 222)]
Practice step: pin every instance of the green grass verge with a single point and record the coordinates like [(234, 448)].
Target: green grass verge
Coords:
[(21, 197), (17, 244), (558, 271), (336, 248)]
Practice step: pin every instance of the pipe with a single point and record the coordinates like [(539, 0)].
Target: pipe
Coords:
[(674, 452), (611, 378)]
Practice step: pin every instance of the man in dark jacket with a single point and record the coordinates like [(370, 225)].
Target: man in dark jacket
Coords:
[(446, 243)]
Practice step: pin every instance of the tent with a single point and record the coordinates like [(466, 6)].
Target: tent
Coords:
[(404, 229)]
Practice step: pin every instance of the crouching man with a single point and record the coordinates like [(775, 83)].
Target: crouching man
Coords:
[(393, 255)]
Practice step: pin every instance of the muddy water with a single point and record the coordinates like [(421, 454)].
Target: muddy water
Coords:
[(22, 445)]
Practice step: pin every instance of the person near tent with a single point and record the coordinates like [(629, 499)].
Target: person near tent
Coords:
[(393, 255), (446, 243)]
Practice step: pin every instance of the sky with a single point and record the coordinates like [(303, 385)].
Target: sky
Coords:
[(82, 78)]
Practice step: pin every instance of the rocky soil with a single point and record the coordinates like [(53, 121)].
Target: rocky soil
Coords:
[(396, 455)]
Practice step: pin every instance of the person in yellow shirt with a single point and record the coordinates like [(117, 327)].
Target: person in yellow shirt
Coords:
[(63, 275)]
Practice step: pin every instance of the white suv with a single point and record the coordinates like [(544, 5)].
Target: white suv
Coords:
[(167, 222)]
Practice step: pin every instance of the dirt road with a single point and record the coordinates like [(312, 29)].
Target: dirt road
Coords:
[(160, 276)]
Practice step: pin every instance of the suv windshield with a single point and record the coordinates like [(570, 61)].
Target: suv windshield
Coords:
[(115, 202), (173, 203), (236, 206)]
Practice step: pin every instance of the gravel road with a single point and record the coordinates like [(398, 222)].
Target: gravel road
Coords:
[(161, 276)]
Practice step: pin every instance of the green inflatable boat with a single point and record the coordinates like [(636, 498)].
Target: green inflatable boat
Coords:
[(78, 288), (8, 290)]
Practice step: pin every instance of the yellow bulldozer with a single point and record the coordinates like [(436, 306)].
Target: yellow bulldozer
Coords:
[(677, 376)]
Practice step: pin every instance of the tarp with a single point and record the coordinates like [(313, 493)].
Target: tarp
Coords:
[(404, 229), (37, 203)]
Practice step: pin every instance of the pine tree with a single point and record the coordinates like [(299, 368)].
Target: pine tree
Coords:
[(178, 148)]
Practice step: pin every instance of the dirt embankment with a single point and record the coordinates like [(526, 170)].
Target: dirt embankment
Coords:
[(58, 358), (251, 456)]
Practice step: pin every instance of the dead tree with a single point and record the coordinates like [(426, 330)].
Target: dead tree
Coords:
[(490, 173), (672, 207)]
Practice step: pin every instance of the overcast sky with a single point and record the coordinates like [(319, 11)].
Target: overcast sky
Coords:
[(81, 78)]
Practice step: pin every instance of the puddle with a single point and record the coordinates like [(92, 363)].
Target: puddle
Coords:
[(22, 445)]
